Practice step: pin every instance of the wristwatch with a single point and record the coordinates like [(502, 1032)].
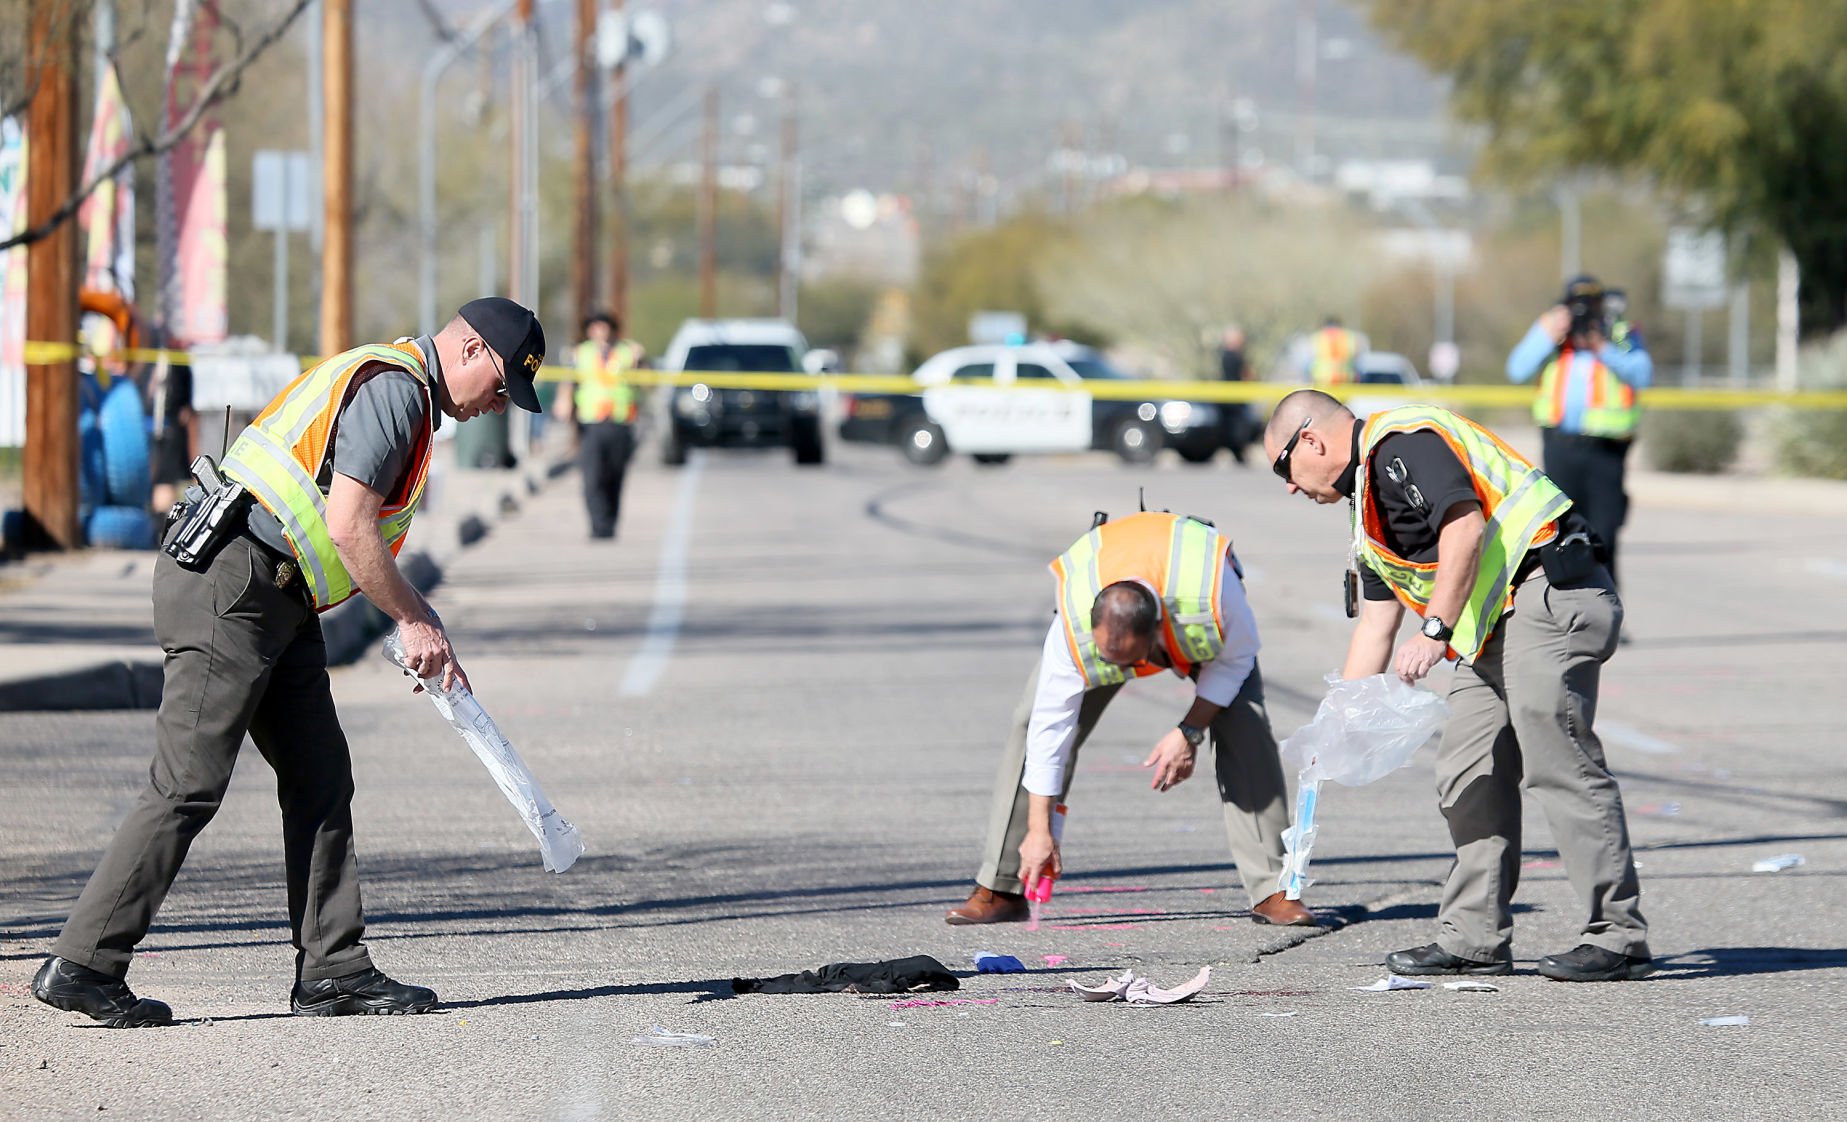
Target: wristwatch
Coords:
[(1194, 737), (1435, 628)]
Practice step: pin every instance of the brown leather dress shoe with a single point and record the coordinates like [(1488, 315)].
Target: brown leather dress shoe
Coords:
[(984, 905), (1279, 910)]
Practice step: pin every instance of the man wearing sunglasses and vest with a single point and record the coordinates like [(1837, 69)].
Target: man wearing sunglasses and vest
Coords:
[(1509, 581), (1138, 596), (331, 471)]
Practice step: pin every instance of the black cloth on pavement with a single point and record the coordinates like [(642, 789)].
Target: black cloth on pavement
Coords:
[(898, 975)]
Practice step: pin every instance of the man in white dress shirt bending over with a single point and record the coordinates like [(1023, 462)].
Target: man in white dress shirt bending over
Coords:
[(1137, 596)]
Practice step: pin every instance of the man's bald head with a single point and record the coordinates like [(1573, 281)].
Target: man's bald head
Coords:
[(1123, 622), (1312, 406)]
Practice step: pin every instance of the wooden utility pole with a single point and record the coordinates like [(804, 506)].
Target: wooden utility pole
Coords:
[(583, 257), (618, 186), (785, 218), (49, 464), (708, 209), (337, 176)]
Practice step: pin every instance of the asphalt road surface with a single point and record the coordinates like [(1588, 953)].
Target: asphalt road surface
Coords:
[(773, 706)]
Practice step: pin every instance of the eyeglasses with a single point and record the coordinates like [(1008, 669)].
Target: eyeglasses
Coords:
[(1281, 467)]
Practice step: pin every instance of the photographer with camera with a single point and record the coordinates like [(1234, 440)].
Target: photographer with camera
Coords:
[(1591, 365)]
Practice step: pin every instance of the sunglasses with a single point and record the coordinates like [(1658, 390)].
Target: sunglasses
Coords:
[(1281, 467), (500, 387)]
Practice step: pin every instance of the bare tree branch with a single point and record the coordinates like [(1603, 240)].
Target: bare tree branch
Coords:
[(443, 31), (222, 85)]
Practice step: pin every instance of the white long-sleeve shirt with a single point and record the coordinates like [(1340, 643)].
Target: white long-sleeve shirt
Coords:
[(1052, 731)]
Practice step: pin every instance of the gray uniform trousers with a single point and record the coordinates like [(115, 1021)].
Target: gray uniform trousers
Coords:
[(241, 654), (1250, 780), (1520, 717)]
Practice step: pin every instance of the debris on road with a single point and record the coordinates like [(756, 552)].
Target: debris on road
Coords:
[(662, 1038), (926, 1003), (1472, 987), (987, 962), (1778, 863), (1724, 1022), (898, 975), (1137, 990), (1391, 982)]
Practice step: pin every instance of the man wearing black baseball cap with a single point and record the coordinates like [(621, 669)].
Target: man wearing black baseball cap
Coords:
[(321, 490), (514, 334)]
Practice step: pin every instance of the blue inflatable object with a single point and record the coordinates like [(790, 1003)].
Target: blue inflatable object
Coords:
[(124, 426), (120, 527)]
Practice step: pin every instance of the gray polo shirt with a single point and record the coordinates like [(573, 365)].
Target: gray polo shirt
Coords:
[(374, 434)]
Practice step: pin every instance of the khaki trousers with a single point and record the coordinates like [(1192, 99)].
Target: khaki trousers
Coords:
[(1520, 718), (1250, 780), (241, 655)]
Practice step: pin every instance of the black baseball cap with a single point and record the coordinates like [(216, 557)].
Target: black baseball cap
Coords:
[(513, 332)]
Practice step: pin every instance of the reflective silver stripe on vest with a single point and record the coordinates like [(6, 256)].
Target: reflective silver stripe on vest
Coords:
[(284, 513), (1497, 591)]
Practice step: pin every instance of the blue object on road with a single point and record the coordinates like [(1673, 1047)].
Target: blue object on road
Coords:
[(125, 445), (120, 527), (989, 963)]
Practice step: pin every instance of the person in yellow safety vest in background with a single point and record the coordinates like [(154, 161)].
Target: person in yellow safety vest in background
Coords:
[(1450, 522), (604, 405), (1591, 365), (1136, 597), (1332, 352)]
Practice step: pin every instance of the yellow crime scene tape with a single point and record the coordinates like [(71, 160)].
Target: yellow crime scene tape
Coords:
[(38, 353)]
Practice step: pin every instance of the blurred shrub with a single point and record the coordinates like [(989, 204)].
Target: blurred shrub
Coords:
[(1698, 442), (1814, 442)]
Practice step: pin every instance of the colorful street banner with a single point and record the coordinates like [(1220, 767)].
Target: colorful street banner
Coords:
[(107, 217), (12, 285), (203, 251)]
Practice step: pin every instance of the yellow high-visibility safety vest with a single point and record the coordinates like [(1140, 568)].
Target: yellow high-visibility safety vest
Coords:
[(603, 390), (278, 457), (1610, 408), (1334, 351), (1182, 558), (1521, 504)]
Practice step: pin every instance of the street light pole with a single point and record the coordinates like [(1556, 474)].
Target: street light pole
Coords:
[(426, 162)]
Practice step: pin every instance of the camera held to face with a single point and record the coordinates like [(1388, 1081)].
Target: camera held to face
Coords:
[(1594, 308)]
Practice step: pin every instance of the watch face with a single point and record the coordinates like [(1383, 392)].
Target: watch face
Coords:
[(1433, 628)]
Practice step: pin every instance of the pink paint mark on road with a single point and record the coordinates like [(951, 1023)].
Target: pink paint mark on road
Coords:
[(1208, 891), (1105, 888), (1095, 926), (1056, 959), (1541, 863)]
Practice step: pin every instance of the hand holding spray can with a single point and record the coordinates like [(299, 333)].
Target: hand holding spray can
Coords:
[(1040, 891)]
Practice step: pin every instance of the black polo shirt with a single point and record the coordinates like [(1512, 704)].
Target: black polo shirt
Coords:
[(1418, 481)]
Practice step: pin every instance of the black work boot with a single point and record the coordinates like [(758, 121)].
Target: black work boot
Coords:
[(1433, 959), (1590, 963), (62, 984), (368, 991)]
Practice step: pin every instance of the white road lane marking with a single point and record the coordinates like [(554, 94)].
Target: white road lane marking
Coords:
[(1828, 567), (650, 662), (1625, 737)]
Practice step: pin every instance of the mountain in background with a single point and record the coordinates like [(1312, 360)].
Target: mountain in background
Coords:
[(900, 95)]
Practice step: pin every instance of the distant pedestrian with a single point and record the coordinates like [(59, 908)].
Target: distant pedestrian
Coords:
[(176, 429), (1239, 425), (1592, 367), (337, 464), (1332, 352), (605, 409)]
